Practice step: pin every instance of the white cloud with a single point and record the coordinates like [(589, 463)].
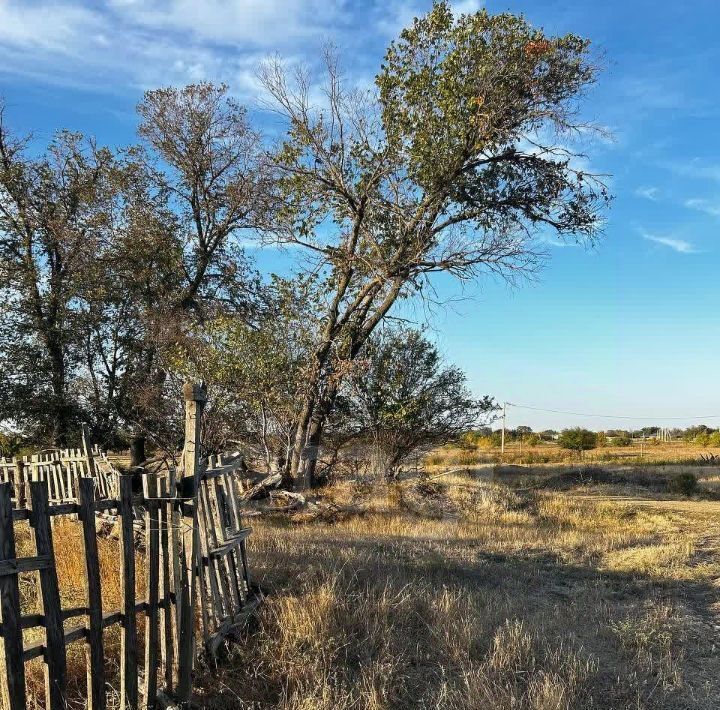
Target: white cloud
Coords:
[(649, 193), (252, 22), (465, 7), (121, 45), (697, 169), (681, 246), (707, 206)]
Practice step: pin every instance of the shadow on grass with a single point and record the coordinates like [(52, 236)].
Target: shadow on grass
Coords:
[(413, 620)]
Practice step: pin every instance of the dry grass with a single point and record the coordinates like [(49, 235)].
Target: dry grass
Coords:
[(70, 565), (464, 594), (549, 453), (460, 593)]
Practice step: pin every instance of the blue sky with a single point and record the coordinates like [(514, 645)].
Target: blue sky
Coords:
[(628, 328)]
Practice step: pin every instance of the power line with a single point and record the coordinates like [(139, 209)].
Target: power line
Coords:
[(608, 416)]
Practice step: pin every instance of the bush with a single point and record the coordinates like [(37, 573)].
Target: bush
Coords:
[(621, 440), (533, 440), (487, 442), (714, 439), (577, 439), (684, 483)]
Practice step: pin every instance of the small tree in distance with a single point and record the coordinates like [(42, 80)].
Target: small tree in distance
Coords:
[(407, 400), (577, 439)]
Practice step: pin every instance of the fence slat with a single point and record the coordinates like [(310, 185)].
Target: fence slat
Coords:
[(167, 617), (96, 679), (13, 666), (128, 651), (55, 663), (152, 569), (195, 398)]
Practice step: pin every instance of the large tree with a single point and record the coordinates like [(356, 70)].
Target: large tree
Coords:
[(453, 164), (52, 217), (174, 256)]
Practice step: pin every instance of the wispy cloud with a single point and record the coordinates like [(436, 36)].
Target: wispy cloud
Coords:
[(696, 169), (649, 193), (682, 246), (123, 45), (711, 207)]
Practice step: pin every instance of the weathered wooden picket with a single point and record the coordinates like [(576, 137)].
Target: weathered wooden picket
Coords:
[(61, 468), (195, 551)]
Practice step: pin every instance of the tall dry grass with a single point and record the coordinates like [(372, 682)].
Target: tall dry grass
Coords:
[(70, 566), (458, 594), (465, 595)]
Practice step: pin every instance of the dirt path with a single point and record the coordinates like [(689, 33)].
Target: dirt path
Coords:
[(687, 506)]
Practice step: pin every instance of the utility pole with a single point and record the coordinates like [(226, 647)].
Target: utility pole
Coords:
[(502, 436)]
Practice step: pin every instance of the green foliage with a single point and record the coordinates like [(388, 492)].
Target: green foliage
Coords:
[(10, 444), (533, 440), (601, 439), (577, 439), (405, 398), (701, 439), (457, 90), (684, 483), (621, 440)]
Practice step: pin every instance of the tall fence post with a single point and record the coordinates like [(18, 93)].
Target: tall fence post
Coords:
[(189, 484)]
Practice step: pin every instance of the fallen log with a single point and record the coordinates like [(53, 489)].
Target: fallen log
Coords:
[(263, 487)]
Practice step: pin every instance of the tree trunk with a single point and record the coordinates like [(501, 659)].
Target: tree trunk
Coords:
[(60, 408), (137, 450)]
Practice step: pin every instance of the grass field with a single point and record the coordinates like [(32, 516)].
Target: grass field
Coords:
[(465, 591), (638, 453), (461, 592)]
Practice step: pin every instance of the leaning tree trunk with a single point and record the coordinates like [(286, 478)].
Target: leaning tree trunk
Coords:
[(137, 450)]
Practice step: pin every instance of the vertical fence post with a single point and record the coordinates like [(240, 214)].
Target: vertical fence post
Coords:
[(167, 617), (195, 398), (20, 482), (128, 639), (95, 667), (13, 667), (55, 661), (152, 578), (87, 451)]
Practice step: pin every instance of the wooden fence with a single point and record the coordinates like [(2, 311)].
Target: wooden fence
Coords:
[(60, 469), (195, 557)]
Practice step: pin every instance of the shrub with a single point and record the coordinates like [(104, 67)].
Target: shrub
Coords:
[(684, 483), (714, 439), (702, 439), (577, 439), (487, 442), (621, 440), (533, 440)]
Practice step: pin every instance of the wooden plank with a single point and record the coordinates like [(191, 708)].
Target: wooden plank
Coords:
[(230, 565), (178, 568), (24, 564), (195, 398), (167, 616), (95, 666), (208, 540), (13, 676), (128, 637), (152, 569), (55, 662)]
